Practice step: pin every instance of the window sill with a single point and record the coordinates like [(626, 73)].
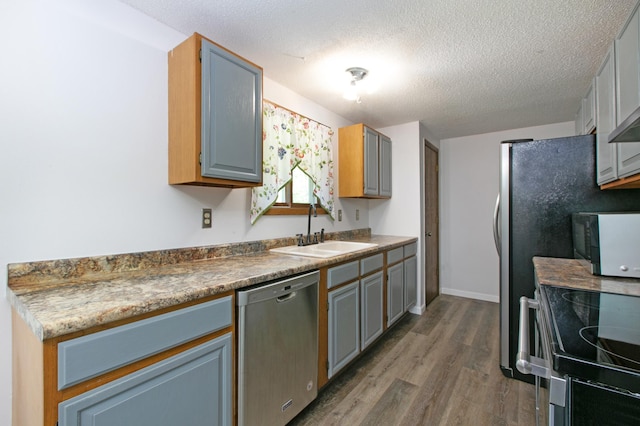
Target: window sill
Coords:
[(285, 210)]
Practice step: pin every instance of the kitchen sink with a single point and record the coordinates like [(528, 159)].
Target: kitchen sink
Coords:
[(325, 250)]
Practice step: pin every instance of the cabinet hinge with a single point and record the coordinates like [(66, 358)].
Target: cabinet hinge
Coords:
[(200, 55), (327, 365), (200, 159), (328, 306)]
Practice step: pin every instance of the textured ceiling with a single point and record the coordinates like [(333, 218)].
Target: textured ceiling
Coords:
[(460, 67)]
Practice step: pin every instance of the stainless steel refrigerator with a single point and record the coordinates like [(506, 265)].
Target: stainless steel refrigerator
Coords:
[(541, 183)]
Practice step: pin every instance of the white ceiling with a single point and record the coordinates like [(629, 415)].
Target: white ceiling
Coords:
[(461, 67)]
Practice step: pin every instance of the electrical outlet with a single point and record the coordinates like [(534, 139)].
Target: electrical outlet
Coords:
[(207, 218), (357, 214), (340, 215)]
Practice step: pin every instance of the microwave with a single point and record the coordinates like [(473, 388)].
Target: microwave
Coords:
[(608, 243)]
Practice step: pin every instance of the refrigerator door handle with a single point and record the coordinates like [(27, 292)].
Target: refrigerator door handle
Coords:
[(496, 225)]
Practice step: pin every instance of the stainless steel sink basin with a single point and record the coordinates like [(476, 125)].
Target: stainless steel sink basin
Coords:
[(325, 250)]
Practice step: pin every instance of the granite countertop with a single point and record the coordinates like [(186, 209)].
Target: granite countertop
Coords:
[(65, 296), (572, 274)]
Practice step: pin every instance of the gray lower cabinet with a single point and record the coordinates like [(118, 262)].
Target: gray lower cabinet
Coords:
[(402, 280), (344, 326), (410, 266), (356, 310), (395, 292), (191, 388), (372, 321)]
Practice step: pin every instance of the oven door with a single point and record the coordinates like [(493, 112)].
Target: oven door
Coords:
[(551, 387)]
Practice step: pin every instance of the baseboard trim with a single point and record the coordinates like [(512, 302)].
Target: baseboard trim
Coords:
[(418, 310), (470, 295)]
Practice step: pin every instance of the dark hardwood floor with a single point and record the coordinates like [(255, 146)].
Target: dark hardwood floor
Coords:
[(441, 368)]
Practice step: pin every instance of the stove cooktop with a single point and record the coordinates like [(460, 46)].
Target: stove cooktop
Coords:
[(596, 336)]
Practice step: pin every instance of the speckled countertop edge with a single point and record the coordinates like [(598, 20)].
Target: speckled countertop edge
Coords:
[(53, 307), (571, 273)]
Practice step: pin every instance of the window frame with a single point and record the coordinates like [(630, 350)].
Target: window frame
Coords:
[(290, 208)]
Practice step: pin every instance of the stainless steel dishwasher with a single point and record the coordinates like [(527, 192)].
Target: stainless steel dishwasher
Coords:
[(277, 350)]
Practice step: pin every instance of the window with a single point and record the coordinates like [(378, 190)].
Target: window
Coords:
[(296, 196), (296, 150)]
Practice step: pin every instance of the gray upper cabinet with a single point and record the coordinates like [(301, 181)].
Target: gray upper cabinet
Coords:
[(617, 97), (579, 124), (589, 111), (371, 164), (628, 69), (364, 163), (231, 116), (586, 114), (628, 159), (628, 91), (215, 116), (606, 117), (385, 166)]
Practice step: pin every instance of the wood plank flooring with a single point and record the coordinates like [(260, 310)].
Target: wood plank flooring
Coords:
[(440, 368)]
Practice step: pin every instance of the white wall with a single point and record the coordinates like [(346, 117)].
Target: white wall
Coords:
[(401, 215), (469, 178), (83, 146)]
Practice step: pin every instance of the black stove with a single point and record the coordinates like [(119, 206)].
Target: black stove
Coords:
[(595, 336)]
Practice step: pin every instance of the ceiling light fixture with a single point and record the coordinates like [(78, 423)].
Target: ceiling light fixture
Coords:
[(357, 74)]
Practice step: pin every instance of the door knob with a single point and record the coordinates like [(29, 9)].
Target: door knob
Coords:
[(428, 234)]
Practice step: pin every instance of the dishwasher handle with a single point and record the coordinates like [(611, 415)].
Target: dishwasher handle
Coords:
[(286, 297)]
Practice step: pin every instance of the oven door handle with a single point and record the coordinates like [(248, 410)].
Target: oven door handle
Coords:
[(525, 362)]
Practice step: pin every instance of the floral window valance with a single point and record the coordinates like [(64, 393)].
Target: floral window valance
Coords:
[(289, 141)]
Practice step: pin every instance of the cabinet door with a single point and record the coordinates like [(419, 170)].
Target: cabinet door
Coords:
[(410, 282), (385, 166), (579, 120), (628, 69), (372, 322), (606, 116), (231, 116), (589, 111), (371, 162), (395, 292), (191, 388), (344, 326), (628, 158)]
